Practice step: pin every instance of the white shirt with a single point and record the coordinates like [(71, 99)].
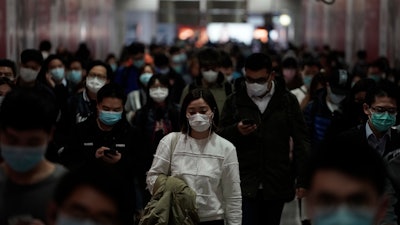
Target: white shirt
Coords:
[(263, 102), (210, 167), (300, 93)]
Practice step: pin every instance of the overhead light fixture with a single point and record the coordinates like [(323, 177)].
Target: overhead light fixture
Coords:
[(285, 20)]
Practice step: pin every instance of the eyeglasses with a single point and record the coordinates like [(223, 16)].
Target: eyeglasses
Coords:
[(379, 109), (262, 80)]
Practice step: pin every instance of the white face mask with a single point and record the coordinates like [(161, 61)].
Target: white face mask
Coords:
[(28, 75), (94, 84), (210, 75), (335, 98), (256, 90), (199, 122), (158, 94)]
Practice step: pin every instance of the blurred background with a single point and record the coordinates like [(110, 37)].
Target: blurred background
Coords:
[(106, 25)]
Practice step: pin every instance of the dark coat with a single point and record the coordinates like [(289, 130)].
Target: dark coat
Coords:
[(264, 156)]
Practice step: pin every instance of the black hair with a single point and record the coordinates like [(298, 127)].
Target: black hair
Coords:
[(31, 55), (110, 56), (258, 61), (161, 60), (103, 179), (289, 62), (382, 89), (28, 109), (112, 90), (103, 64), (364, 84), (75, 59), (10, 64), (195, 94), (45, 45), (353, 158), (136, 48), (209, 57), (226, 61), (174, 50)]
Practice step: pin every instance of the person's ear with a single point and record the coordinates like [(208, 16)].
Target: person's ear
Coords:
[(366, 109)]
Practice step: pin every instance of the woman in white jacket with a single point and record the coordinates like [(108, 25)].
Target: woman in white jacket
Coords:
[(204, 160)]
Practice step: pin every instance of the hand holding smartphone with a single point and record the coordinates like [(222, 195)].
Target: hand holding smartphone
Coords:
[(248, 122)]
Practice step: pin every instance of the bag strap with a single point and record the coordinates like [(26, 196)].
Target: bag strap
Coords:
[(174, 141)]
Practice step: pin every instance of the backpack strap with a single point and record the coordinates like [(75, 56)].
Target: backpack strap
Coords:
[(174, 141)]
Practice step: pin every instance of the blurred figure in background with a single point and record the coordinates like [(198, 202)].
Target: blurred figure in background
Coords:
[(45, 48), (8, 69), (290, 73), (76, 75), (138, 98)]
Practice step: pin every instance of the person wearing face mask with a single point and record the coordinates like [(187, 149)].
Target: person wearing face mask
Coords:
[(342, 193), (309, 68), (163, 67), (106, 138), (379, 131), (210, 77), (259, 118), (205, 161), (76, 76), (324, 113), (137, 98), (132, 59), (5, 86), (157, 118), (290, 72), (82, 105), (27, 178)]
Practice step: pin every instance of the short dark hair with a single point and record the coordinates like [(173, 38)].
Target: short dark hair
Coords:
[(112, 90), (10, 64), (258, 61), (28, 109), (290, 62), (45, 45), (161, 60), (103, 179), (136, 48), (342, 155), (31, 55), (195, 94), (226, 61), (382, 89), (209, 57), (103, 64)]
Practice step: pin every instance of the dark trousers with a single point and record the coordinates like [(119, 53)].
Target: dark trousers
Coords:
[(214, 222), (257, 211)]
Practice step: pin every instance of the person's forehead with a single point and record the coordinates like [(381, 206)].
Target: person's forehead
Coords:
[(111, 101), (340, 185), (5, 69), (256, 73), (384, 101), (198, 103), (93, 201), (98, 70)]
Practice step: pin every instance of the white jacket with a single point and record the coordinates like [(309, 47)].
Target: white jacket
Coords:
[(210, 167)]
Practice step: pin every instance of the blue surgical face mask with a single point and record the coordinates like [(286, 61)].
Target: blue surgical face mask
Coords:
[(138, 63), (69, 220), (57, 73), (162, 71), (145, 77), (375, 77), (75, 76), (307, 80), (22, 159), (383, 121), (109, 117), (113, 67), (344, 215)]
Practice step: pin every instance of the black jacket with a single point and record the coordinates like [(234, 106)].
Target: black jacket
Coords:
[(264, 156)]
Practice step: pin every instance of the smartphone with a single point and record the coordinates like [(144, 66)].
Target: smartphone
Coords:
[(248, 122), (110, 151)]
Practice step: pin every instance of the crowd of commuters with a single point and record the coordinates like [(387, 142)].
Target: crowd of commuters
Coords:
[(213, 135)]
